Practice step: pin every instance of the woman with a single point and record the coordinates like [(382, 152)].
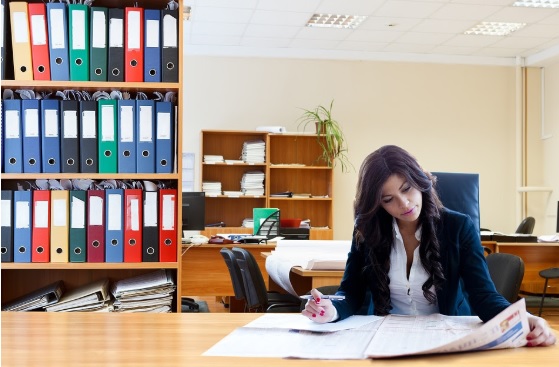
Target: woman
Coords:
[(410, 255)]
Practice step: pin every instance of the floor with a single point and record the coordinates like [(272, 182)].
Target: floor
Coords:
[(551, 314)]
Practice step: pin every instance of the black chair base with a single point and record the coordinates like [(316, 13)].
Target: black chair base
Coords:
[(551, 273)]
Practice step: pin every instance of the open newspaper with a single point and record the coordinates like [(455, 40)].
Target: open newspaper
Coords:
[(361, 337)]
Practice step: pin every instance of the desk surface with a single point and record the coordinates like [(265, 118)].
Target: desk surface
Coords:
[(139, 339)]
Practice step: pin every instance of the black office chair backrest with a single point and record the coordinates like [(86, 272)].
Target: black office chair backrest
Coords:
[(234, 272), (256, 293), (526, 226), (460, 192), (507, 272)]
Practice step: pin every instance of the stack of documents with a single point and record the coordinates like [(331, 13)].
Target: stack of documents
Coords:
[(254, 151), (211, 188), (152, 292), (252, 183), (248, 223), (93, 297), (213, 158), (37, 299)]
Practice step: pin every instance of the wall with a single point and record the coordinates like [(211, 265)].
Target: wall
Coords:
[(453, 118)]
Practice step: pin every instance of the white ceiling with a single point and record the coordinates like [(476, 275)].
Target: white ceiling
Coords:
[(395, 30)]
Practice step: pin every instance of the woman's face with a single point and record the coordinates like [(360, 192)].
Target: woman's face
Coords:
[(400, 199)]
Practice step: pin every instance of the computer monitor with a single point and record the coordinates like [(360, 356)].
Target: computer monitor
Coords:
[(193, 211)]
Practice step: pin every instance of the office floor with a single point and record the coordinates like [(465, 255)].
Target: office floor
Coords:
[(550, 314)]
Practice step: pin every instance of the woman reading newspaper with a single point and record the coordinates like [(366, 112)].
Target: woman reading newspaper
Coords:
[(411, 254)]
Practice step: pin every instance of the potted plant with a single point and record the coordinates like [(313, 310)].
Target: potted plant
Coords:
[(329, 134)]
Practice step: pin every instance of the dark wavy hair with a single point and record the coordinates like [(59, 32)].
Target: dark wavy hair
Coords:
[(373, 225)]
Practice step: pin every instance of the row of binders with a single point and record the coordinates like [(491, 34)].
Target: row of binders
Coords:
[(111, 225), (79, 42), (108, 135)]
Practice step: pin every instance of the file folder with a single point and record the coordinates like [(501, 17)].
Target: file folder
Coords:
[(58, 41), (31, 136), (168, 225), (169, 49), (39, 41), (23, 211), (150, 238), (165, 137), (98, 45), (12, 134), (95, 226), (70, 143), (152, 45), (115, 68), (50, 135), (89, 157), (21, 41), (36, 299), (40, 241), (134, 44), (59, 226), (77, 232), (126, 136), (7, 219), (106, 116), (133, 199), (78, 47), (145, 140), (114, 234)]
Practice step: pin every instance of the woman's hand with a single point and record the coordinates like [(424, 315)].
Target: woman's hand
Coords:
[(318, 309), (540, 333)]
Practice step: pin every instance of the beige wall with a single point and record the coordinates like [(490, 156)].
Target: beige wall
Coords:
[(451, 117)]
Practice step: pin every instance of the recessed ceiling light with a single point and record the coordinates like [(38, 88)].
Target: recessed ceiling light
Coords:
[(495, 28), (335, 21), (554, 4)]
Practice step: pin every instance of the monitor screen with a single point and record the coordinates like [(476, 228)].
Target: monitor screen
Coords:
[(193, 211)]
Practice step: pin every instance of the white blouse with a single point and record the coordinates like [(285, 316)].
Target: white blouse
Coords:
[(406, 294)]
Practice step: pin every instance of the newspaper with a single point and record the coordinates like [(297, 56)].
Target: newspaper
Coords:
[(387, 337)]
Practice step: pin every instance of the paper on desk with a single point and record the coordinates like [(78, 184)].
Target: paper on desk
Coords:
[(300, 322)]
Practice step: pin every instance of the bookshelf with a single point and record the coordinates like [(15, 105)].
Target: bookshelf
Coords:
[(21, 278), (292, 164)]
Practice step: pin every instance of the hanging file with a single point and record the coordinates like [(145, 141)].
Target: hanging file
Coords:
[(50, 135), (150, 240), (77, 232), (152, 45), (145, 140), (59, 226), (106, 116), (95, 226), (126, 136), (114, 235), (7, 219), (23, 211), (165, 137), (116, 45), (21, 42), (133, 199), (40, 242), (98, 45), (69, 144), (134, 44), (78, 50), (168, 225), (58, 41), (89, 157), (39, 41), (12, 134), (169, 46), (32, 162)]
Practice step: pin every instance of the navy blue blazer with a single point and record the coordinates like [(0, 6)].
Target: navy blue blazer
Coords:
[(467, 290)]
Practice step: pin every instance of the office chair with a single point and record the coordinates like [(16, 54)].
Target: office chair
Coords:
[(507, 272), (526, 226), (551, 273), (256, 294), (234, 273)]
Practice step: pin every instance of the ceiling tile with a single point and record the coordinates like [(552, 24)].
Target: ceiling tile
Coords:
[(289, 5), (444, 26), (408, 9), (287, 18), (464, 12), (207, 14), (520, 14), (265, 42), (385, 23), (216, 29), (349, 7), (271, 31), (374, 36), (424, 38), (324, 33), (314, 44)]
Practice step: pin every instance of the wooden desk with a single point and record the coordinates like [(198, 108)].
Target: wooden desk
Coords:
[(536, 256), (146, 340)]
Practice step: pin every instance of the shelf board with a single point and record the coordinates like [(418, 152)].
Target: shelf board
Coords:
[(535, 189), (298, 199), (48, 85), (294, 166), (89, 266), (120, 176), (235, 197)]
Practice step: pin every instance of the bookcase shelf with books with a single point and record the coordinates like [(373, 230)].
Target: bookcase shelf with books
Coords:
[(19, 278)]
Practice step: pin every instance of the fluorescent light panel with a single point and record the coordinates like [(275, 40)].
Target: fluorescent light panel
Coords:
[(494, 28), (335, 21), (553, 4)]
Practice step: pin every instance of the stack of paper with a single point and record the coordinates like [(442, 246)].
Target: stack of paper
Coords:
[(213, 159), (92, 297), (37, 299), (152, 292), (254, 151), (252, 183), (248, 223), (211, 188)]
